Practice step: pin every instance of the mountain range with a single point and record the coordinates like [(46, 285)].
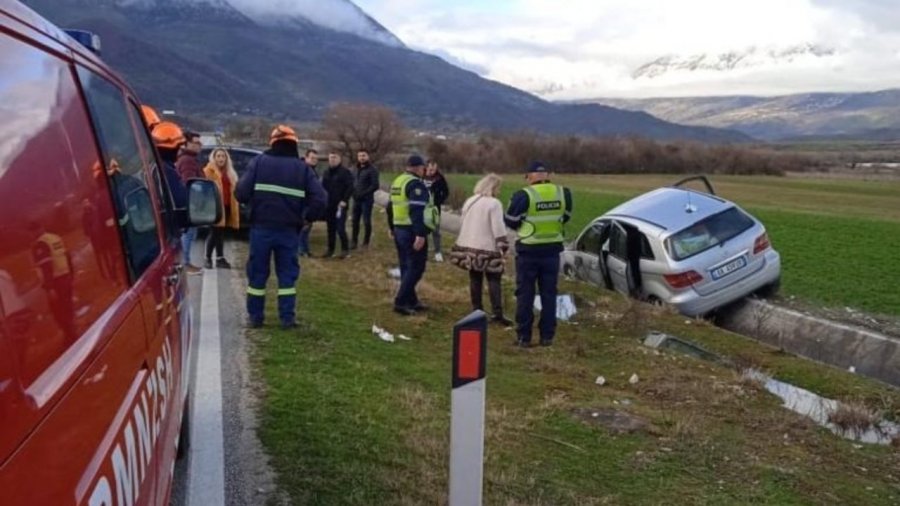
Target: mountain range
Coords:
[(820, 116), (290, 59)]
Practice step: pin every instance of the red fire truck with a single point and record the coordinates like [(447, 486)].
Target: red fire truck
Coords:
[(95, 326)]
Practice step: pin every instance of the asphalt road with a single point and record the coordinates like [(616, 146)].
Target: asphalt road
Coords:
[(226, 463)]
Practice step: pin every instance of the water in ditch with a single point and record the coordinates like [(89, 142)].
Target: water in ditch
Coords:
[(819, 409)]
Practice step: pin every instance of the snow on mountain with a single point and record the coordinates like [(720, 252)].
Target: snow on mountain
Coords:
[(732, 60)]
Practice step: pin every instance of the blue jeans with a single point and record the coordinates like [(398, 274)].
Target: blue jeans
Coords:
[(543, 271), (362, 210), (303, 245), (187, 241), (266, 243), (412, 267)]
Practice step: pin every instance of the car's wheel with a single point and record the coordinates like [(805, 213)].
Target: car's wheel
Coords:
[(770, 290), (184, 433)]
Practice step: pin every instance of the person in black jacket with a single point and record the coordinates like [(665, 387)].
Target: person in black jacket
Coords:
[(281, 191), (440, 191), (366, 184), (338, 182)]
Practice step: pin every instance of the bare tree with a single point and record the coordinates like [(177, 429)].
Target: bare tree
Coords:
[(374, 128)]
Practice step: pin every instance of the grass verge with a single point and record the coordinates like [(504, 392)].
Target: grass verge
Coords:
[(349, 419)]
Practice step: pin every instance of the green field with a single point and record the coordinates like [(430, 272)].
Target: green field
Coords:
[(839, 239), (349, 419)]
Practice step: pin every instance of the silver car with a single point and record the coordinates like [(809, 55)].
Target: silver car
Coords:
[(692, 250)]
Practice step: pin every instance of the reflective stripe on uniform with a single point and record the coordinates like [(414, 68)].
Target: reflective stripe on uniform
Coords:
[(256, 292), (282, 292), (284, 190)]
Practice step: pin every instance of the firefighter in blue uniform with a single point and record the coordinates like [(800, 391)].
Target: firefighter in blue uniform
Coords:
[(538, 214), (281, 191), (412, 216)]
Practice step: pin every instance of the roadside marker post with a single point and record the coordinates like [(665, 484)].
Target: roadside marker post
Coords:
[(467, 410)]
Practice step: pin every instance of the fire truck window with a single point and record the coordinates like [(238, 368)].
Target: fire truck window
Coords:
[(125, 169), (61, 262), (166, 206)]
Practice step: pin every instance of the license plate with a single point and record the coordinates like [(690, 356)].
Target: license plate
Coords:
[(729, 268)]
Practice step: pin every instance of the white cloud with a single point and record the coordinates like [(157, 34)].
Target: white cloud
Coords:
[(588, 48)]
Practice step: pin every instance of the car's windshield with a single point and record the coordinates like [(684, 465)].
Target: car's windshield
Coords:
[(707, 233)]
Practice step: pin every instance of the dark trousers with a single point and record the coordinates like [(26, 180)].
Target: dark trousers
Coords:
[(281, 244), (412, 267), (542, 271), (337, 227), (476, 287), (215, 241), (362, 210)]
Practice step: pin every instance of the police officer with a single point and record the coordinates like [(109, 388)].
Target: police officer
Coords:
[(280, 190), (538, 213), (411, 217)]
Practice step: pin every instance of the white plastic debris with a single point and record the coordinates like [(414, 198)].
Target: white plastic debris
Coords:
[(600, 381), (394, 273), (382, 334), (565, 307), (852, 369), (404, 338), (634, 379)]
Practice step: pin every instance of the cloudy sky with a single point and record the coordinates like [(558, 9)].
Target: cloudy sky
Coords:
[(568, 49)]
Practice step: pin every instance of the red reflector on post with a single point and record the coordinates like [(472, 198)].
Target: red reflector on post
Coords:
[(469, 366)]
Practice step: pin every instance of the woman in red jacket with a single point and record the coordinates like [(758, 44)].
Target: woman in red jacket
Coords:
[(221, 171)]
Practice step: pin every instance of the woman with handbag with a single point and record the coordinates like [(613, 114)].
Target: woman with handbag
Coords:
[(482, 245)]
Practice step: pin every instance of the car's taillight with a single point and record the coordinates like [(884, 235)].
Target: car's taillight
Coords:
[(683, 280), (762, 243)]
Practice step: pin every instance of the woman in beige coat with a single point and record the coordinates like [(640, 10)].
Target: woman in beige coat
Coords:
[(482, 245), (221, 171)]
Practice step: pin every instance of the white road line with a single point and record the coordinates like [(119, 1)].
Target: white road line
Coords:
[(206, 477)]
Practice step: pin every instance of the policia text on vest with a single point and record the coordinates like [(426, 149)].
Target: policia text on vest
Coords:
[(538, 213)]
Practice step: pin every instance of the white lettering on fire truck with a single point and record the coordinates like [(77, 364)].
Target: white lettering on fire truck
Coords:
[(121, 475)]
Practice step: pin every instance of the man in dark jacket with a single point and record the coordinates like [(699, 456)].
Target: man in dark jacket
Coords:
[(281, 191), (364, 197), (188, 167), (440, 191), (311, 158), (338, 182)]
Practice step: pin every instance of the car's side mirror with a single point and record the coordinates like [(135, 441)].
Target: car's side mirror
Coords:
[(204, 203)]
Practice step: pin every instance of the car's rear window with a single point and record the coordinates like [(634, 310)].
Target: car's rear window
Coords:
[(708, 233)]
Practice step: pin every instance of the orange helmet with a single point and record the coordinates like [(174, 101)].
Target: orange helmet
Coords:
[(283, 133), (168, 135), (150, 116)]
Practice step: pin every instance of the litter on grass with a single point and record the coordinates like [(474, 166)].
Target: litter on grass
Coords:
[(394, 273), (565, 307), (382, 334)]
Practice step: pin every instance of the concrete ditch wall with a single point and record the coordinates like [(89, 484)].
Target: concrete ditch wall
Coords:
[(869, 353)]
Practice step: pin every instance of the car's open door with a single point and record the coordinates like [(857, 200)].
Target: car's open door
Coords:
[(617, 258)]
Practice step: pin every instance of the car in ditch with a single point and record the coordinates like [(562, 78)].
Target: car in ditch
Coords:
[(678, 246)]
